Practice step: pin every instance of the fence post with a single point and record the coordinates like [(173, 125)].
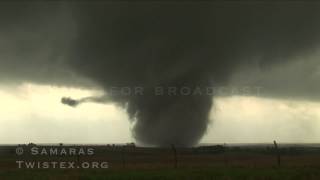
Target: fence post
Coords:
[(175, 155), (225, 158), (278, 152), (123, 157)]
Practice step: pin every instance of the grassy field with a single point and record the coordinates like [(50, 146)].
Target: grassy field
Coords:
[(161, 163), (179, 173)]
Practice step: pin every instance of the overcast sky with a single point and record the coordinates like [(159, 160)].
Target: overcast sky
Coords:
[(33, 113)]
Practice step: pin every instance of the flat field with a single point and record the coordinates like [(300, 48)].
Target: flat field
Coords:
[(127, 162)]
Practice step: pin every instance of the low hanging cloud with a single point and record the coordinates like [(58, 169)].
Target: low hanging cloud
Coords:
[(75, 102), (148, 45)]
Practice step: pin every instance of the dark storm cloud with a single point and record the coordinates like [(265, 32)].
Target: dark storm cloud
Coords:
[(162, 44), (34, 39)]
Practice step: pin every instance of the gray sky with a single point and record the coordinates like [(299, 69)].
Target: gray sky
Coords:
[(33, 113)]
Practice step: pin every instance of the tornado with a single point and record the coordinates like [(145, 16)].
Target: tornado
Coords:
[(177, 45)]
